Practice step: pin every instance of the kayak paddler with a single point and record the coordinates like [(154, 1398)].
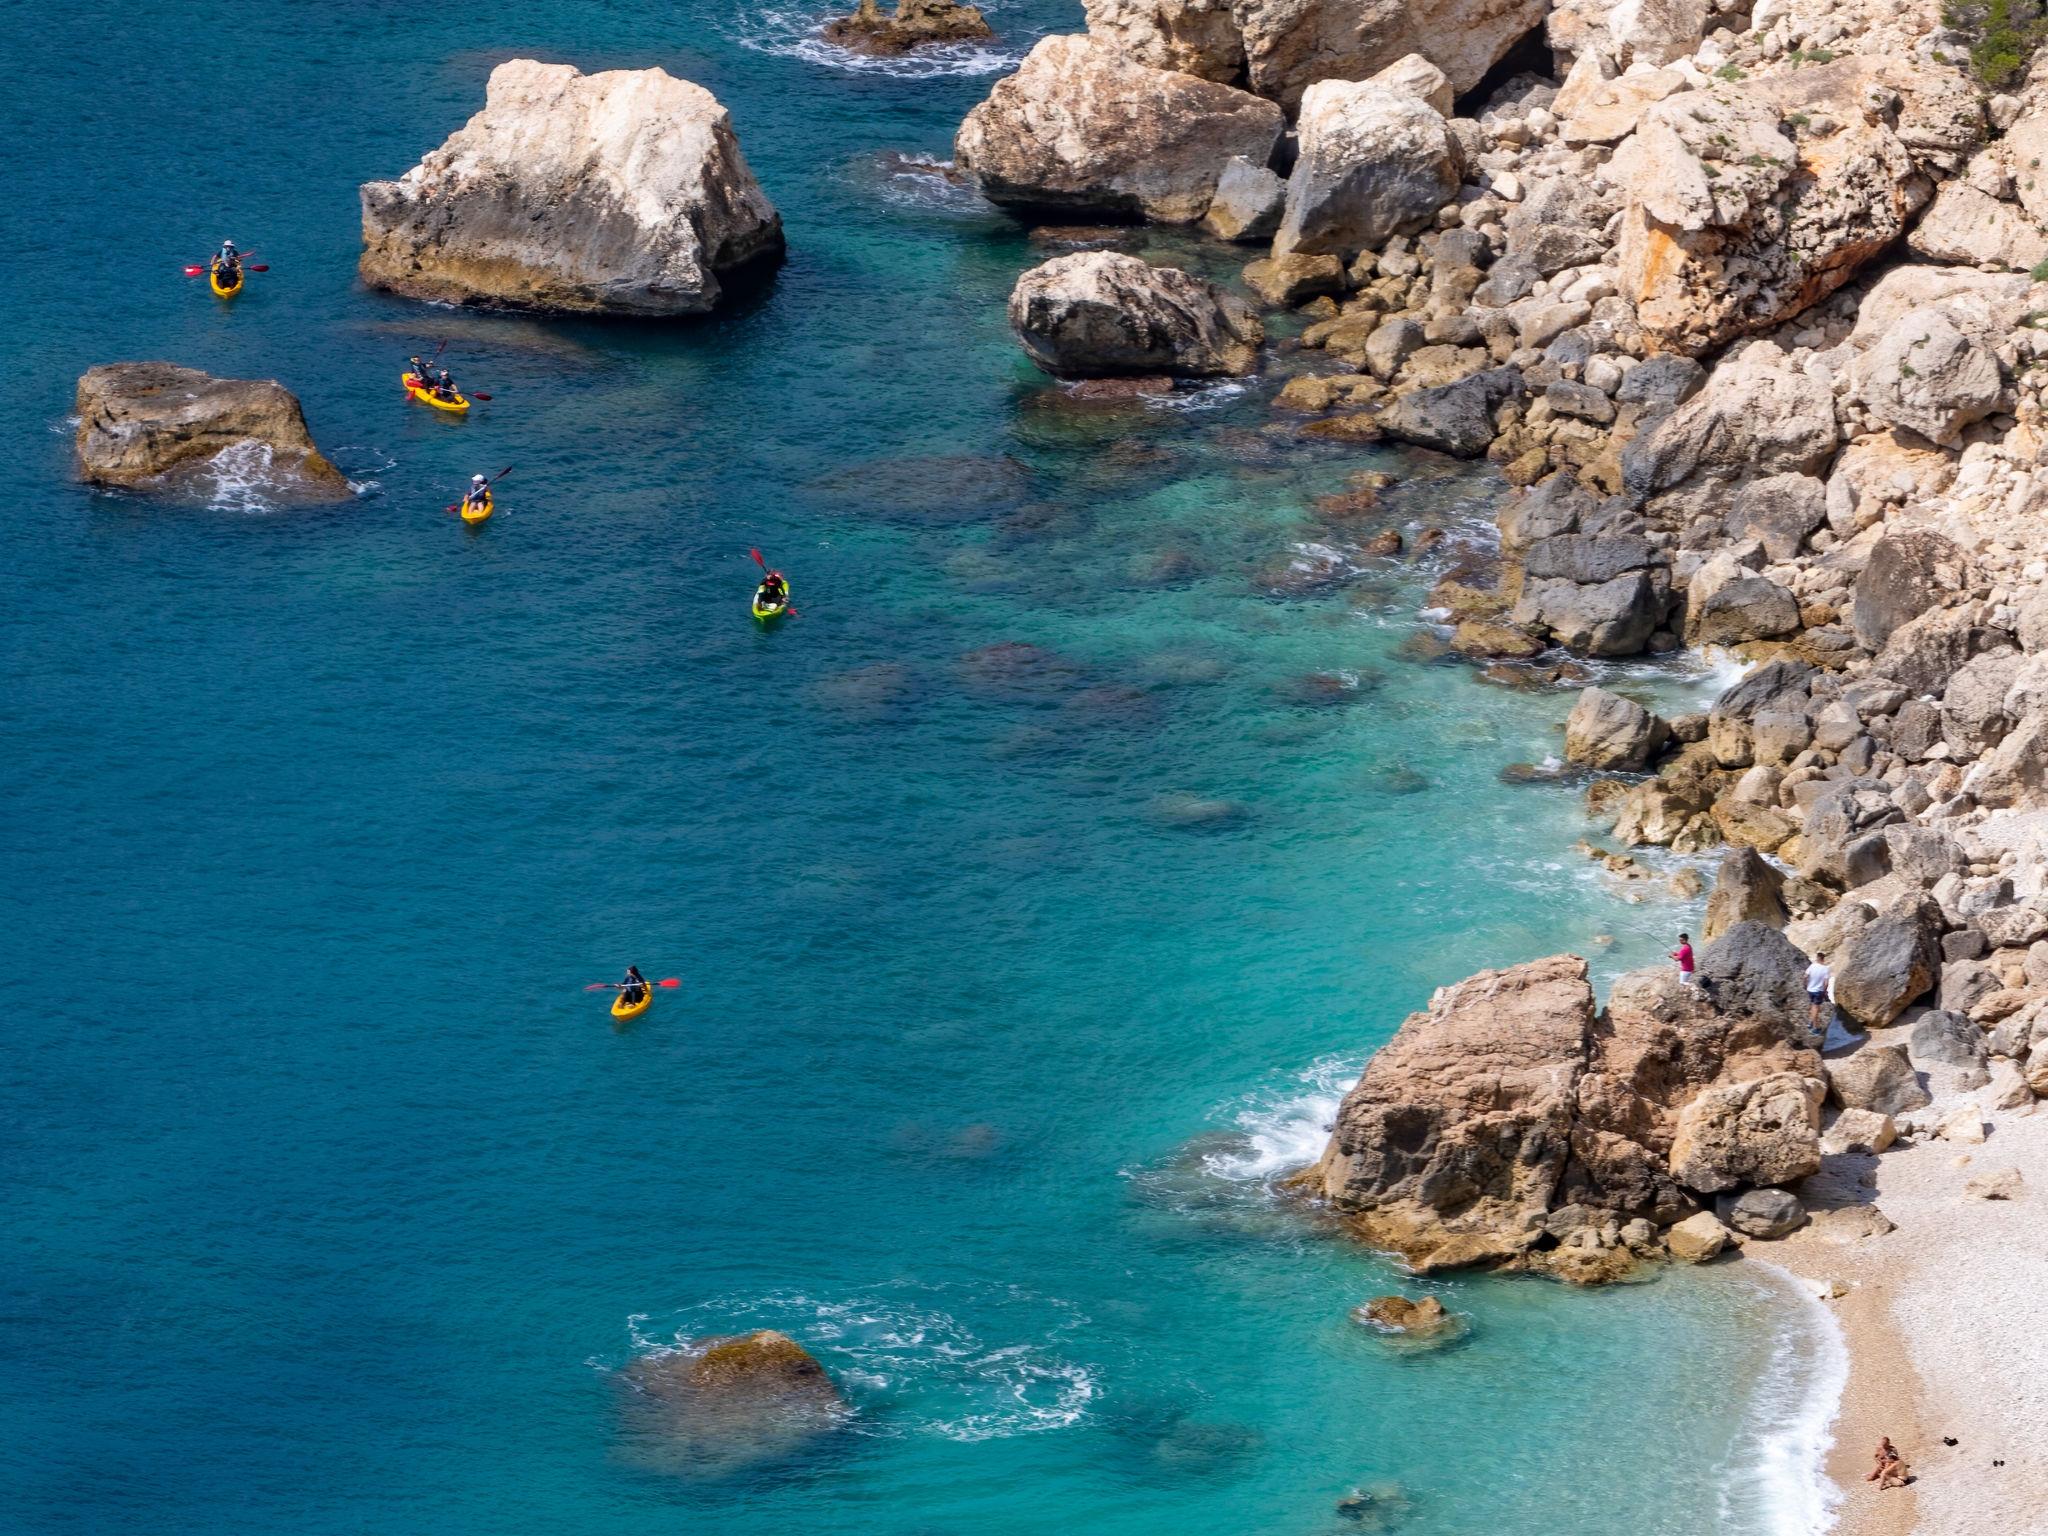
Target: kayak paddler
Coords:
[(478, 493), (634, 987), (773, 591), (444, 387), (227, 261)]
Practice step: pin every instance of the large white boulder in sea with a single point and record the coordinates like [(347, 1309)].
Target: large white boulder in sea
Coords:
[(1099, 313), (1080, 129), (616, 193)]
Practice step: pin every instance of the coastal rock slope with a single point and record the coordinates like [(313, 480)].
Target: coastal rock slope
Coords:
[(1100, 313), (162, 427), (617, 193)]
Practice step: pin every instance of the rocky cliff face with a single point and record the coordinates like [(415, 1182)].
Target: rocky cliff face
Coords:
[(617, 193), (159, 427)]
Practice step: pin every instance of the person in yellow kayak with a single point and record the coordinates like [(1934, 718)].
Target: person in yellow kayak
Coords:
[(478, 493), (634, 987), (227, 264), (773, 591)]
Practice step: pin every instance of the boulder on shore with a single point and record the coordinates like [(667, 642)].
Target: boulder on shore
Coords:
[(616, 193), (162, 427), (1376, 161), (1612, 733), (1766, 1131), (1100, 313), (915, 24), (723, 1403), (1454, 1139), (1082, 131)]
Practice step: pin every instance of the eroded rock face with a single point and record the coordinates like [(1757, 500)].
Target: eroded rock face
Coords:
[(160, 427), (1084, 131), (1610, 732), (1731, 225), (1755, 416), (1291, 44), (721, 1404), (1761, 1132), (1375, 162), (616, 193), (1195, 37), (1461, 1123), (1100, 313), (913, 24)]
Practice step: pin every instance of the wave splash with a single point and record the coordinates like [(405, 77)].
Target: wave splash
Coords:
[(909, 1362), (1778, 1483), (792, 33), (1283, 1128)]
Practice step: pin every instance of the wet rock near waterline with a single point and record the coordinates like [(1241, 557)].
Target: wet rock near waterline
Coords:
[(719, 1405), (1419, 1324), (1085, 131), (913, 24), (171, 430), (621, 193), (1376, 1509), (1101, 313), (1325, 690)]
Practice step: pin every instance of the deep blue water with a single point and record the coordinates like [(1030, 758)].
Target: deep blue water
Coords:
[(334, 1203)]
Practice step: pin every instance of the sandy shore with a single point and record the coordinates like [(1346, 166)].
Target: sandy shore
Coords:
[(1945, 1328)]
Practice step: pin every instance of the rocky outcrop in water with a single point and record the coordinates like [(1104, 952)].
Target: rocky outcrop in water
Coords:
[(720, 1404), (619, 193), (1100, 313), (1082, 131), (913, 24), (163, 428)]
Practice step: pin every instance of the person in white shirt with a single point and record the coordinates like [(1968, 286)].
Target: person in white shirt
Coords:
[(1819, 990)]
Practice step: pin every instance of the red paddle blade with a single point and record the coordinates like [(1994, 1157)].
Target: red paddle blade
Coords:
[(248, 268), (477, 394), (195, 271), (672, 981), (757, 559)]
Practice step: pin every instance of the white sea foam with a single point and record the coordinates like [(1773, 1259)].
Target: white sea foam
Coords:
[(797, 33), (928, 185), (241, 478), (1202, 397), (1778, 1483), (1286, 1125), (909, 1362)]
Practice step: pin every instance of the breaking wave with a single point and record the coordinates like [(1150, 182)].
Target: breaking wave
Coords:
[(795, 33)]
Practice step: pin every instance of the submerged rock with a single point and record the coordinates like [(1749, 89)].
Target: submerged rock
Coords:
[(1425, 1322), (1099, 313), (727, 1402), (616, 193), (915, 24), (161, 427)]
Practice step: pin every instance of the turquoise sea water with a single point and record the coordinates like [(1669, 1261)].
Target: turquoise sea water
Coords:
[(1012, 977)]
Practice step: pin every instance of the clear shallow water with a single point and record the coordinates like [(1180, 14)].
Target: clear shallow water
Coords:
[(335, 1204)]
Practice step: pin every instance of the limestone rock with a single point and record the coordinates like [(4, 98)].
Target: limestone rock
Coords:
[(722, 1403), (1765, 1131), (1728, 605), (1888, 964), (1247, 203), (915, 24), (1929, 377), (1908, 572), (1290, 44), (1093, 314), (1995, 1184), (1598, 110), (1730, 226), (1754, 969), (1083, 131), (1195, 37), (162, 428), (623, 193), (1858, 1131), (1941, 1038), (1426, 1318), (1747, 888), (1967, 227), (1612, 733), (1461, 1124), (1764, 1213), (1656, 31), (1879, 1078), (1755, 416), (1374, 163), (1452, 418), (1697, 1239)]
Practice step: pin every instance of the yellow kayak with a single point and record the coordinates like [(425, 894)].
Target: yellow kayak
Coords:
[(621, 1009), (421, 393), (474, 512), (220, 289), (775, 610)]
